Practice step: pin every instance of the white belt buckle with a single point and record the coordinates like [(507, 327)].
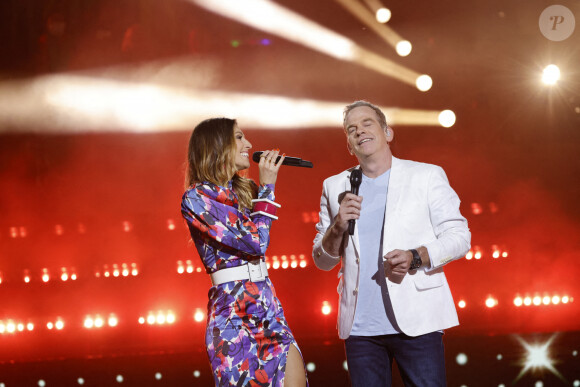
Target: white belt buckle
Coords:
[(255, 270)]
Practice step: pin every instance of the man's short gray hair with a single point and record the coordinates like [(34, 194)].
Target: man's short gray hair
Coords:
[(380, 115)]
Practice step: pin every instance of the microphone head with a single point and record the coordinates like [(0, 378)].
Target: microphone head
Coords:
[(355, 177), (256, 156)]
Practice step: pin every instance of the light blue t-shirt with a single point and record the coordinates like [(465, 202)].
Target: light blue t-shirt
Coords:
[(374, 313)]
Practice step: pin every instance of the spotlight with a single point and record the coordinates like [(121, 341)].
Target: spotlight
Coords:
[(423, 82), (326, 308), (383, 15), (404, 48), (551, 74)]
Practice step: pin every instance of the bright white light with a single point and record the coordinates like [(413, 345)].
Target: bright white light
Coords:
[(555, 300), (551, 74), (196, 374), (423, 82), (461, 359), (170, 318), (310, 367), (345, 365), (141, 320), (276, 265), (528, 301), (120, 378), (383, 15), (303, 264), (160, 318), (565, 299), (518, 301), (41, 383), (20, 327), (80, 381), (30, 326), (113, 321), (447, 118), (326, 308), (462, 304), (99, 322), (158, 376), (404, 48), (198, 315), (490, 302), (285, 265), (537, 300), (537, 357), (546, 300), (151, 319), (59, 324), (10, 327), (49, 325), (89, 323)]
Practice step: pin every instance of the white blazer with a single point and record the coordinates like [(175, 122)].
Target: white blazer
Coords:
[(422, 210)]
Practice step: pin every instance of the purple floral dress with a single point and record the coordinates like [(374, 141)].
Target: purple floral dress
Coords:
[(247, 336)]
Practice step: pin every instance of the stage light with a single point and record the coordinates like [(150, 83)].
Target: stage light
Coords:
[(383, 15), (30, 327), (26, 278), (189, 266), (518, 301), (537, 357), (423, 82), (461, 359), (551, 74), (198, 316), (160, 319), (528, 301), (13, 232), (546, 300), (125, 270), (537, 300), (113, 321), (404, 48), (64, 277), (285, 265), (127, 226), (196, 374), (120, 378), (134, 270), (151, 319), (10, 327), (555, 300), (158, 376), (504, 254), (491, 302), (170, 224), (326, 308), (476, 209), (310, 367), (170, 318), (180, 267), (80, 381), (89, 322), (293, 265), (469, 255), (462, 304), (303, 264), (59, 324), (116, 271), (345, 365), (447, 118), (275, 265), (45, 276), (565, 299), (41, 383), (477, 255), (50, 325)]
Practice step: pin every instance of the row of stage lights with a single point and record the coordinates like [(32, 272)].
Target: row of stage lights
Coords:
[(476, 252), (168, 317), (126, 226), (98, 321), (115, 270)]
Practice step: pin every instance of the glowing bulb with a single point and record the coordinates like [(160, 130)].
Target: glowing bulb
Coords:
[(423, 82), (551, 74), (404, 48), (198, 315), (383, 15), (447, 118), (518, 301), (326, 309)]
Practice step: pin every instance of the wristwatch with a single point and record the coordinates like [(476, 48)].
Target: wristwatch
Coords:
[(416, 262)]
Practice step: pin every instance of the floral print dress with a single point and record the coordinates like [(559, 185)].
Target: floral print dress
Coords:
[(247, 336)]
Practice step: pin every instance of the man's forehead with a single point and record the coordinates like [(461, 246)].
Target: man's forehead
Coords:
[(359, 114)]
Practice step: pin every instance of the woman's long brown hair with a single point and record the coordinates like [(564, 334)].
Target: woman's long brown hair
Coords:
[(211, 157)]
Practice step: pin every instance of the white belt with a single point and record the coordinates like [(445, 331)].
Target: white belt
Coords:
[(255, 271)]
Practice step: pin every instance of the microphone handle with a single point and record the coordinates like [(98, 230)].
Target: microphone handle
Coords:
[(351, 222)]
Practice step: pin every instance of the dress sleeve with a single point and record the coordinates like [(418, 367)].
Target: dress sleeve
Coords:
[(225, 224)]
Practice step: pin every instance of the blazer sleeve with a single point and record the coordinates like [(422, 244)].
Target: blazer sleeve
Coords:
[(321, 258), (450, 227), (225, 224)]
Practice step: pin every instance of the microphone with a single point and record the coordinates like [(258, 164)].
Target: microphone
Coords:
[(355, 180), (292, 161)]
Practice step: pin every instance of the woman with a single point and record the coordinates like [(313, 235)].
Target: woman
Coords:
[(248, 339)]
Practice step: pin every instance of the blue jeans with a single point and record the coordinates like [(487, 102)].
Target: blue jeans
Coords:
[(421, 359)]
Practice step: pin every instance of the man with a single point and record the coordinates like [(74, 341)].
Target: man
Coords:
[(394, 300)]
